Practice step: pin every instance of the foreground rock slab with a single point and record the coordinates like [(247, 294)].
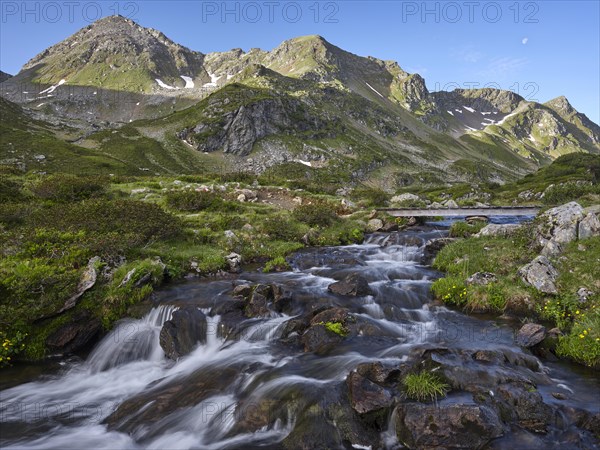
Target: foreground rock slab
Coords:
[(447, 426)]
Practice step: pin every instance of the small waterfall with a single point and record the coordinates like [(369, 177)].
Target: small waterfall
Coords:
[(131, 340)]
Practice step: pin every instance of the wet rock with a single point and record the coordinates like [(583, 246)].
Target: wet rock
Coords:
[(368, 399), (242, 290), (282, 298), (559, 395), (589, 226), (433, 246), (180, 335), (524, 402), (318, 257), (557, 227), (377, 372), (320, 340), (389, 227), (354, 285), (530, 334), (258, 303), (76, 334), (482, 278), (228, 306), (447, 426), (541, 274), (375, 225), (141, 411), (295, 327), (493, 230)]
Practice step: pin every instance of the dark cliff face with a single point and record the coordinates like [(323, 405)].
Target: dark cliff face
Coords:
[(235, 132)]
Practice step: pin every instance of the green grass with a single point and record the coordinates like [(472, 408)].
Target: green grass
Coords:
[(424, 386), (579, 321), (463, 229), (50, 226)]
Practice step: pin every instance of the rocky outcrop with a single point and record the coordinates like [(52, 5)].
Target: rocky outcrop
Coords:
[(541, 274), (354, 285), (237, 131), (557, 227), (186, 329)]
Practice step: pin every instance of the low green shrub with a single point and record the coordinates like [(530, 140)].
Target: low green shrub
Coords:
[(566, 192), (283, 227), (191, 200), (69, 188), (372, 196), (316, 214), (451, 290), (582, 343)]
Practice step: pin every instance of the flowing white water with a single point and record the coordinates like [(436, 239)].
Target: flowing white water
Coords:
[(245, 386)]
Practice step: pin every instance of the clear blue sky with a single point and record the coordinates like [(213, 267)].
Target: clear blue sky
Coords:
[(539, 49)]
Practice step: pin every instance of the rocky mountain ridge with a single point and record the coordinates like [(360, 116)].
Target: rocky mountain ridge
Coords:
[(304, 96)]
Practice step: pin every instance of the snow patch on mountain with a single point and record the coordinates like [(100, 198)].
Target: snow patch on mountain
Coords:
[(52, 88), (374, 90), (189, 83), (164, 85)]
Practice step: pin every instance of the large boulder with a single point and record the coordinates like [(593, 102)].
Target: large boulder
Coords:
[(541, 274), (180, 335), (447, 426), (402, 198), (354, 285), (318, 338), (495, 230), (557, 227)]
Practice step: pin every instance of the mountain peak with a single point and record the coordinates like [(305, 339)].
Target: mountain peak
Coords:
[(114, 19), (560, 105), (114, 53)]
